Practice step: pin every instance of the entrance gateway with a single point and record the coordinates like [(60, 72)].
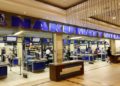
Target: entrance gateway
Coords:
[(26, 23)]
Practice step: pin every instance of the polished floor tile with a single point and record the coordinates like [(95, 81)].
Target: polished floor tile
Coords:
[(97, 74)]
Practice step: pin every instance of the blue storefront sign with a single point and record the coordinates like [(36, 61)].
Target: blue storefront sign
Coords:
[(37, 25), (19, 22), (66, 29), (100, 34), (86, 32), (55, 27), (81, 31), (92, 33), (72, 29), (44, 25), (69, 29)]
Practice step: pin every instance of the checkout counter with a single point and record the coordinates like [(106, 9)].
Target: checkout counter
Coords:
[(34, 65), (102, 56), (115, 58), (66, 70), (3, 70)]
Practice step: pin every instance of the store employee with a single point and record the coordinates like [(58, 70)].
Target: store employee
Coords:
[(48, 54), (3, 52)]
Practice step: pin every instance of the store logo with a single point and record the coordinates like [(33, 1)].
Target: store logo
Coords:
[(2, 19), (19, 22), (43, 25)]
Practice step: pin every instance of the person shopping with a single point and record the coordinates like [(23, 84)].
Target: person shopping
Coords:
[(48, 55), (3, 52), (108, 54)]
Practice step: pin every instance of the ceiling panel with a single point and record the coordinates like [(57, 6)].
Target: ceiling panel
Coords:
[(37, 34), (111, 17), (64, 4)]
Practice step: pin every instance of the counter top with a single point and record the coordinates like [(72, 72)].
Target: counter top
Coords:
[(2, 64), (116, 54), (66, 70), (86, 54), (74, 56), (35, 60)]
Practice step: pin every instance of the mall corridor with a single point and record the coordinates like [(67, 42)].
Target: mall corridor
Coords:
[(97, 75)]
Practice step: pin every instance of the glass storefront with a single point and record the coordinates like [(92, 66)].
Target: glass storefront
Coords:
[(85, 48)]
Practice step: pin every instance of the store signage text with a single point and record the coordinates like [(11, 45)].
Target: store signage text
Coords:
[(87, 32), (55, 27)]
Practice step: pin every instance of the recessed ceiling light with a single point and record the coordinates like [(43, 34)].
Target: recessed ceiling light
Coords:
[(114, 17), (24, 12), (47, 17), (18, 33), (76, 38), (95, 11), (119, 3)]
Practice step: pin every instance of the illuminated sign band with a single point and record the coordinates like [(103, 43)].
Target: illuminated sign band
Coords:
[(53, 27), (56, 27), (43, 25), (86, 32)]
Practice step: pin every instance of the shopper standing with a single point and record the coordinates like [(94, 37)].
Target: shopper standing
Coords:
[(68, 54), (75, 51), (3, 52), (78, 50), (10, 58), (109, 54), (48, 55), (40, 53)]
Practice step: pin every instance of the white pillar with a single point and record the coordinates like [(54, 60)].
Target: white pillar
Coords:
[(113, 47), (58, 48), (19, 49)]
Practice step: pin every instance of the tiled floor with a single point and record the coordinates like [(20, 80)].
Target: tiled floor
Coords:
[(14, 78), (98, 74)]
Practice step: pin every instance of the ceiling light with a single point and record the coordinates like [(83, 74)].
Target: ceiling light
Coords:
[(95, 11), (119, 3), (18, 33), (76, 38), (114, 17), (24, 12)]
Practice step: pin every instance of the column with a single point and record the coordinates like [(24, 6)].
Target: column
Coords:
[(42, 47), (72, 47), (58, 47), (89, 44), (97, 44), (19, 49), (113, 47)]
